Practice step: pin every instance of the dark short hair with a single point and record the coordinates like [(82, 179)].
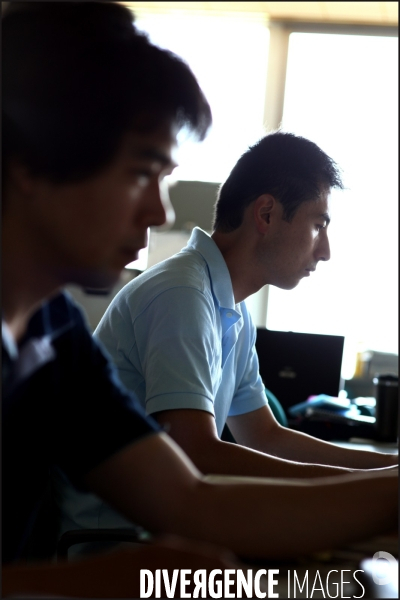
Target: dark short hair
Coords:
[(289, 167), (77, 76)]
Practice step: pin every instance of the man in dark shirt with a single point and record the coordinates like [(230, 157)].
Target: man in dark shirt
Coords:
[(62, 401), (89, 118), (91, 112)]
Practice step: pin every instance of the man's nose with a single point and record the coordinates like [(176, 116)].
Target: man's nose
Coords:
[(157, 210), (169, 213), (323, 251)]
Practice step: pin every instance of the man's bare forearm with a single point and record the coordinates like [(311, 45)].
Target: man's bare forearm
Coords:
[(233, 459), (195, 432), (260, 431), (295, 445), (261, 517), (291, 518)]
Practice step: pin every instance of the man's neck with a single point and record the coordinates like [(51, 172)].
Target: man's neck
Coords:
[(23, 291), (239, 262), (27, 279), (17, 313)]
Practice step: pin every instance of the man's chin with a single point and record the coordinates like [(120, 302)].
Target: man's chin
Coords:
[(287, 285)]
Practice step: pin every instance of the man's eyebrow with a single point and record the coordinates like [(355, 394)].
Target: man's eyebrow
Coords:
[(326, 217), (153, 154)]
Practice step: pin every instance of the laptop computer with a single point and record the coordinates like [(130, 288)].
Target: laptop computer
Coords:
[(295, 366)]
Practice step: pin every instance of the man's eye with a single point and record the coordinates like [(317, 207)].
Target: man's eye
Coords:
[(142, 177), (319, 226)]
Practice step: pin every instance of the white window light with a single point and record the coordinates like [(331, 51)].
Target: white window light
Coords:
[(342, 93), (229, 56)]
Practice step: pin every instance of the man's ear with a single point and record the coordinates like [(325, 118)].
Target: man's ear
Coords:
[(263, 208)]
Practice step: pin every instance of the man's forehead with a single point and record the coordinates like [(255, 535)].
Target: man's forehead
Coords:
[(160, 146), (323, 197), (320, 207)]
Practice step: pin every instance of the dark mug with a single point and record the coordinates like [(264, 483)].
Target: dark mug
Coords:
[(387, 407)]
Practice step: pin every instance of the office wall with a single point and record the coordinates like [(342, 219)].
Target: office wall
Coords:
[(193, 202)]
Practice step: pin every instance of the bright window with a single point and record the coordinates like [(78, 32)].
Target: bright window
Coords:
[(229, 56), (342, 93)]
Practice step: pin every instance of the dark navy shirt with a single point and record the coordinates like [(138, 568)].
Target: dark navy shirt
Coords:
[(63, 405)]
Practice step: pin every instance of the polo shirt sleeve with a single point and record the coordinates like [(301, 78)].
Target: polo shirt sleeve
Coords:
[(250, 393), (178, 351)]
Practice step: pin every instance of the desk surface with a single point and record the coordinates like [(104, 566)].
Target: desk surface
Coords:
[(336, 571), (371, 445), (341, 573)]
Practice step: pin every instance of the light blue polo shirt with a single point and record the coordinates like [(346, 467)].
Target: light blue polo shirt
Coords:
[(179, 340)]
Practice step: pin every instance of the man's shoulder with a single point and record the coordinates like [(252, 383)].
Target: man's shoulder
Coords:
[(185, 269), (57, 314), (66, 313)]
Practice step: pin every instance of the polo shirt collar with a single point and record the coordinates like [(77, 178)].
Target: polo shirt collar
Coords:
[(53, 318), (9, 345), (35, 349), (219, 273)]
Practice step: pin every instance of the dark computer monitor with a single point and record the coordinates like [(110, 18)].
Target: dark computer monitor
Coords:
[(295, 366)]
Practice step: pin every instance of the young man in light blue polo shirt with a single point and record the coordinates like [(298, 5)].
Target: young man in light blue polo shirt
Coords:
[(200, 356), (183, 340)]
